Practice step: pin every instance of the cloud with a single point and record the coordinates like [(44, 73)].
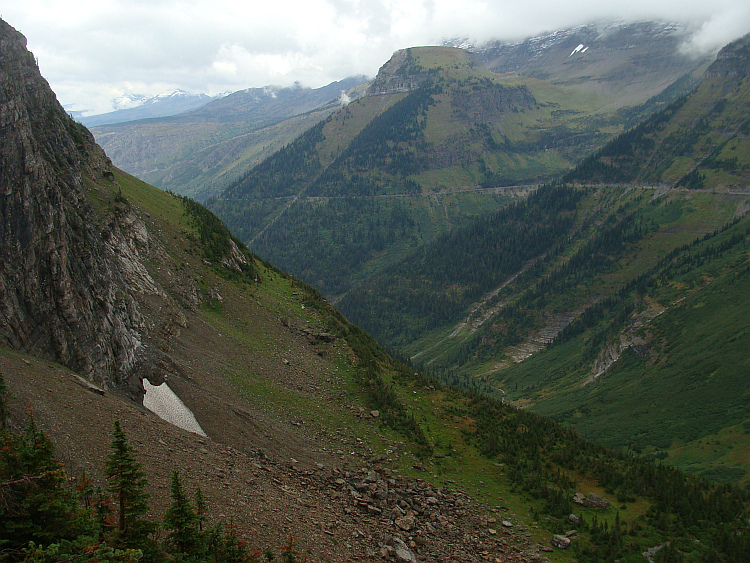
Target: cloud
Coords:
[(93, 50), (721, 28)]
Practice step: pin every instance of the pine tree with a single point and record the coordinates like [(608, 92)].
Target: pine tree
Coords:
[(227, 545), (4, 409), (183, 521), (200, 508), (34, 504), (127, 483)]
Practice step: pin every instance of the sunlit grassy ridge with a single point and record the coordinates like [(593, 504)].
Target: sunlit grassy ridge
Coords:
[(390, 172), (516, 462)]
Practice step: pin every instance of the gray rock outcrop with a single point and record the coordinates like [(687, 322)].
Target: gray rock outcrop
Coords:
[(560, 542), (73, 284)]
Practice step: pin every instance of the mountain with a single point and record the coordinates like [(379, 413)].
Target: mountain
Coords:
[(313, 438), (585, 301), (107, 281), (199, 152), (622, 59), (698, 140), (437, 140), (142, 107)]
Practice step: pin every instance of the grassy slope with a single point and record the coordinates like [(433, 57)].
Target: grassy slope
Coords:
[(700, 142), (461, 148), (686, 392), (237, 355), (251, 322)]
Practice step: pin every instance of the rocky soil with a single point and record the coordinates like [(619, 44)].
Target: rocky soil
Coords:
[(337, 500), (118, 293)]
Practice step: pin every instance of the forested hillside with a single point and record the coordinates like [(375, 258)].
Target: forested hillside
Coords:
[(315, 443), (437, 141), (596, 317)]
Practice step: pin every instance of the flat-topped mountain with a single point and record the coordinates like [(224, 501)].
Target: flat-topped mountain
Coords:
[(314, 439)]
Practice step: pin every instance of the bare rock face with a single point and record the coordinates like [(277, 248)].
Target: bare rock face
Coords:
[(72, 277), (399, 74), (732, 61), (560, 542)]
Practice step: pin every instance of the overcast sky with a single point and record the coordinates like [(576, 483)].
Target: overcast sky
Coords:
[(92, 51)]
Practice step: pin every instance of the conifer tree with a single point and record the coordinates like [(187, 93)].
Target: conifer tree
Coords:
[(4, 409), (127, 483), (200, 508), (34, 505), (183, 521)]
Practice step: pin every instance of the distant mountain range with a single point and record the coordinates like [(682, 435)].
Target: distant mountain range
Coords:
[(132, 108), (314, 438), (200, 152)]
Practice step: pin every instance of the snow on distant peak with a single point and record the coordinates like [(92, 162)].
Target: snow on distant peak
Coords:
[(128, 101), (172, 94), (579, 49)]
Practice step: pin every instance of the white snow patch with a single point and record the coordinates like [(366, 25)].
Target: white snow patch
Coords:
[(163, 402), (127, 101), (172, 94), (579, 49)]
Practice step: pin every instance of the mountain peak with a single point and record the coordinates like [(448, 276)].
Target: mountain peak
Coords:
[(71, 279), (409, 69), (733, 60)]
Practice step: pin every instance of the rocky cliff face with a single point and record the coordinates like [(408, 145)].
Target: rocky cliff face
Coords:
[(73, 285), (399, 74), (732, 61)]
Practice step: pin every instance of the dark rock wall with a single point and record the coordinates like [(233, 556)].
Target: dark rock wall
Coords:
[(70, 277), (733, 61)]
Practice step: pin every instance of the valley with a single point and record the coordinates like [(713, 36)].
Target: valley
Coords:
[(318, 443)]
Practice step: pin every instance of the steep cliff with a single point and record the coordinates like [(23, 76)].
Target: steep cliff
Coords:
[(73, 285), (733, 60)]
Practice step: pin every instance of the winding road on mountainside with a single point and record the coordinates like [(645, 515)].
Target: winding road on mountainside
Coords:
[(520, 190), (478, 306)]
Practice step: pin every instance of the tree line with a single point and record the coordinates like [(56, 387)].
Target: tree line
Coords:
[(47, 517)]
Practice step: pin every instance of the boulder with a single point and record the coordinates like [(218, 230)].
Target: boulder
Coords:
[(595, 501), (406, 523), (560, 542), (403, 553)]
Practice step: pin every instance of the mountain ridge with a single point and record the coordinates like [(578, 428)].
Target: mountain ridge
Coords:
[(440, 129), (161, 105), (315, 436)]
